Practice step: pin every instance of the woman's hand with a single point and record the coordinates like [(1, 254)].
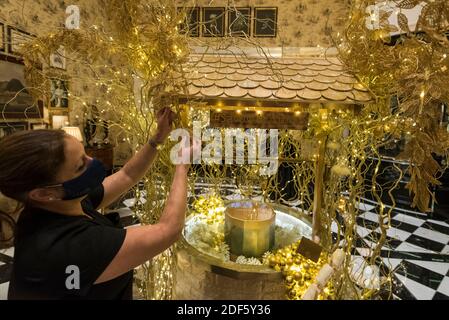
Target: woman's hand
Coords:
[(165, 118), (193, 149)]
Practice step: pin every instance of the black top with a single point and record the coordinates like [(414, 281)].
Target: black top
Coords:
[(48, 244)]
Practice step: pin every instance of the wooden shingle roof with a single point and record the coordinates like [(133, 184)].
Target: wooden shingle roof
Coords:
[(294, 80)]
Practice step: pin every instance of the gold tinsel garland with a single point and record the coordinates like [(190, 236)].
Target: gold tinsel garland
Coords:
[(299, 272), (415, 69)]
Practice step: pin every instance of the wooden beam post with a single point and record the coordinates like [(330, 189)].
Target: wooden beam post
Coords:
[(318, 193)]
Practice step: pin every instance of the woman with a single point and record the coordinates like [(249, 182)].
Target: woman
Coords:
[(64, 249)]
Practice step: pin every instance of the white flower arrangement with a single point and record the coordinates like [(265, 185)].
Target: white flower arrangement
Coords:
[(249, 261)]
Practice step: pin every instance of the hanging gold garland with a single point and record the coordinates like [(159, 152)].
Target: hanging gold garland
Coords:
[(416, 70)]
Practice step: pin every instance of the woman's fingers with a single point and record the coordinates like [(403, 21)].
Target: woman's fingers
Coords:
[(163, 115), (160, 113), (169, 115), (172, 116), (163, 112)]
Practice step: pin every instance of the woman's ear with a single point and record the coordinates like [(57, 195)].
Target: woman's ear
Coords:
[(44, 195)]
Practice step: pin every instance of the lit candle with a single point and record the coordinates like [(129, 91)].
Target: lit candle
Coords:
[(249, 228)]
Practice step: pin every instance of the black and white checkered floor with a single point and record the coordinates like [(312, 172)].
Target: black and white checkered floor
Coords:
[(417, 248)]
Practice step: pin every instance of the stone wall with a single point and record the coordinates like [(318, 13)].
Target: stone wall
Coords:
[(195, 280)]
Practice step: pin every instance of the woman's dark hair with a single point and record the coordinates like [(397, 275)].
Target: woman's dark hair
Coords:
[(28, 160)]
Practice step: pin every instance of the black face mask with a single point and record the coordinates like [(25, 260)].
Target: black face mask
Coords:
[(81, 186)]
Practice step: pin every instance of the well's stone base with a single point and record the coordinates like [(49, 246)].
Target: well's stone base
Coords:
[(197, 279)]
